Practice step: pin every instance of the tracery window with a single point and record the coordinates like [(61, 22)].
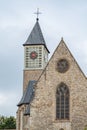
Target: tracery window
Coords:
[(62, 102)]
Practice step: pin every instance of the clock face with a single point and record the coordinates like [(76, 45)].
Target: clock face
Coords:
[(33, 55), (62, 65)]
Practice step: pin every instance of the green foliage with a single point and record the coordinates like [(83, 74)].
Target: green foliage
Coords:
[(7, 122), (85, 128)]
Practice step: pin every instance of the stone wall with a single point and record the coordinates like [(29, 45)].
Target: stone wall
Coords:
[(43, 107), (22, 120), (30, 75)]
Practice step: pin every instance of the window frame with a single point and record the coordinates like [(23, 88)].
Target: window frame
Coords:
[(62, 105)]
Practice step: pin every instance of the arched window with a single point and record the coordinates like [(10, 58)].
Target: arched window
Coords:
[(62, 102)]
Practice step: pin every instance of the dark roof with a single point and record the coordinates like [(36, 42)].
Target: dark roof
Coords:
[(28, 94), (36, 37), (27, 110)]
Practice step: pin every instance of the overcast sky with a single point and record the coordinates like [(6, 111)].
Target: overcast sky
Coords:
[(59, 18)]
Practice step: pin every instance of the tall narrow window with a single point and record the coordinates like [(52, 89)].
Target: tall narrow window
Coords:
[(62, 102)]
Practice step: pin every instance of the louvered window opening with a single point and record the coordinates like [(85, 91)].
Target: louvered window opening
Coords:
[(36, 63), (62, 102)]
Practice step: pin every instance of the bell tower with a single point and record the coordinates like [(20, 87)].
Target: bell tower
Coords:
[(35, 55)]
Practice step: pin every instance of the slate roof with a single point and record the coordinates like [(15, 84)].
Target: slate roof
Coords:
[(36, 37), (27, 110), (28, 94)]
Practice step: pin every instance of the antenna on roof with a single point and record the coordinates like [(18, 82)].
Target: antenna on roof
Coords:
[(37, 13)]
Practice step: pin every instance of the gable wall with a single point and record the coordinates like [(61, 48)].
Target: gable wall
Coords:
[(43, 107)]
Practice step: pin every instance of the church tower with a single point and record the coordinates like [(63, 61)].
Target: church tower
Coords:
[(35, 60), (35, 55)]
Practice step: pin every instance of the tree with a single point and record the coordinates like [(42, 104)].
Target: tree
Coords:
[(7, 122), (2, 122)]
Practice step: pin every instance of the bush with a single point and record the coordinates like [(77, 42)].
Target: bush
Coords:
[(7, 122)]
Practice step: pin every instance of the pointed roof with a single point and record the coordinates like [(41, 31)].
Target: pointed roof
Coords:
[(62, 52), (36, 37)]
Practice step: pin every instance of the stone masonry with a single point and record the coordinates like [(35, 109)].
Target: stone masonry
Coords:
[(30, 75), (42, 103), (43, 106)]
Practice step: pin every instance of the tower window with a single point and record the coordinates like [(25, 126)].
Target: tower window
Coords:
[(32, 60), (62, 102)]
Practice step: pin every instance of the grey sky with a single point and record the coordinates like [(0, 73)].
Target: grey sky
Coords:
[(59, 18)]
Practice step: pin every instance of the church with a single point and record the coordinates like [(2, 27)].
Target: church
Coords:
[(54, 91)]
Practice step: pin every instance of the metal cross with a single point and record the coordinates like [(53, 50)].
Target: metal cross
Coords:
[(37, 13)]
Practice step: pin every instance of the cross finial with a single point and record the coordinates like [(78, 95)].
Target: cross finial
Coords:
[(37, 13)]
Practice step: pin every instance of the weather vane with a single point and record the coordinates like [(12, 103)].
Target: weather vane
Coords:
[(37, 13)]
